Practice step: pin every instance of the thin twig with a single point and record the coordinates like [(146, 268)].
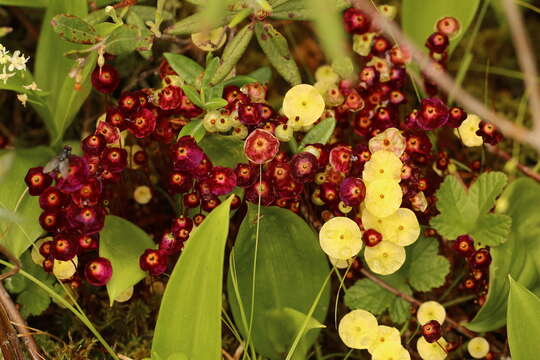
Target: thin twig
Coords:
[(506, 156), (414, 301), (226, 354), (526, 59), (445, 82)]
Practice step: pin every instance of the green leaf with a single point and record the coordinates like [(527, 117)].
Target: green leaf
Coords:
[(134, 19), (367, 295), (286, 242), (300, 10), (240, 80), (233, 52), (320, 133), (189, 319), (277, 50), (517, 257), (17, 237), (426, 269), (186, 68), (282, 326), (223, 150), (210, 71), (419, 28), (128, 38), (29, 3), (32, 299), (71, 100), (105, 28), (193, 95), (195, 23), (262, 74), (123, 243), (523, 325), (331, 34), (74, 29), (465, 212), (193, 128), (214, 104), (51, 70), (423, 270)]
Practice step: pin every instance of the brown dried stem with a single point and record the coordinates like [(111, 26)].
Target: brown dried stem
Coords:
[(506, 156), (526, 59), (413, 301), (7, 305), (445, 82)]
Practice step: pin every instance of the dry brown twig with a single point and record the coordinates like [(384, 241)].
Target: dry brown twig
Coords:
[(445, 81), (526, 59)]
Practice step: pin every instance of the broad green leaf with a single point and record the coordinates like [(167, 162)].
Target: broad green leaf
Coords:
[(105, 28), (423, 270), (74, 29), (277, 50), (299, 9), (189, 319), (320, 133), (32, 299), (72, 98), (17, 237), (466, 212), (286, 242), (262, 74), (193, 128), (186, 68), (426, 269), (50, 69), (195, 23), (233, 52), (223, 150), (419, 28), (123, 243), (148, 13), (523, 324), (134, 19), (367, 295), (282, 326), (29, 3), (517, 257), (128, 38)]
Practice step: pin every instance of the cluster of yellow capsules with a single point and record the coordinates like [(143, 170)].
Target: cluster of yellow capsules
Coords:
[(341, 237)]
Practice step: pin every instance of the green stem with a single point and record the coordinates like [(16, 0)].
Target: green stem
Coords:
[(459, 300), (453, 285), (65, 303), (308, 317)]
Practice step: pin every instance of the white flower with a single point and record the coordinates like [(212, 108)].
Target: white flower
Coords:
[(23, 98), (33, 86), (18, 61)]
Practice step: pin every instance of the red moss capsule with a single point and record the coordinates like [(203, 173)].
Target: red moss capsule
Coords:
[(371, 237), (480, 258), (170, 97), (198, 219), (98, 271), (52, 199), (304, 166), (448, 25), (129, 103), (170, 244), (93, 144), (263, 189), (116, 118), (431, 331), (222, 180), (37, 181), (105, 79), (191, 200), (437, 42), (114, 159), (352, 191), (356, 21), (261, 146), (433, 114), (180, 182), (186, 154), (340, 158), (50, 220), (154, 261), (88, 242), (77, 175), (64, 247)]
